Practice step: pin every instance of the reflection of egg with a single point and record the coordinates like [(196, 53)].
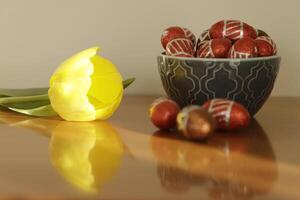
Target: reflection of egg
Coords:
[(86, 154), (229, 163)]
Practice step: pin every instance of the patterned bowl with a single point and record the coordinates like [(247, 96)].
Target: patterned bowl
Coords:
[(195, 80)]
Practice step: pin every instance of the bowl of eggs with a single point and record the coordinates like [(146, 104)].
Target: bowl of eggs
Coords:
[(230, 60)]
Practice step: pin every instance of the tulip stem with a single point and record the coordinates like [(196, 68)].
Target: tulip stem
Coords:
[(7, 100)]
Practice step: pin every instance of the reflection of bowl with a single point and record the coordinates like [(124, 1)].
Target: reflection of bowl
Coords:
[(195, 80)]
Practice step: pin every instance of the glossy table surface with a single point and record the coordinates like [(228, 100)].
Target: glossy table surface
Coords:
[(128, 158)]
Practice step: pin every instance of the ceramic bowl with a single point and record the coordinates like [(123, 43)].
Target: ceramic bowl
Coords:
[(196, 80)]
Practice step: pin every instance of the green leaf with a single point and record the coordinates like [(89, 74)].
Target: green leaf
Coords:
[(25, 102), (22, 92), (128, 82), (27, 105), (32, 102), (22, 99), (42, 111)]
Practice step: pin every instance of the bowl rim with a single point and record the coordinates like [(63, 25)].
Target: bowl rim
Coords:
[(221, 59)]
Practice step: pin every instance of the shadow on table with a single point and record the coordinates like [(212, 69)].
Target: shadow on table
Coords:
[(238, 165)]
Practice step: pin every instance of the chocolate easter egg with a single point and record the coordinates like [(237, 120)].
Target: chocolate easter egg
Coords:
[(175, 32), (232, 29), (229, 115), (180, 46), (265, 46), (215, 48), (261, 33), (204, 50), (204, 36), (195, 122), (243, 48)]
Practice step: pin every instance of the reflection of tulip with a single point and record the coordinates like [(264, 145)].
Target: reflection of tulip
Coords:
[(87, 154), (41, 125), (86, 87), (232, 163)]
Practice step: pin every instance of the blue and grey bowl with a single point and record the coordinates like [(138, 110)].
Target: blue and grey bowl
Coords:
[(196, 80)]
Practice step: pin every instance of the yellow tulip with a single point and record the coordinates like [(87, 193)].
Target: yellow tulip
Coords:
[(86, 87), (86, 154)]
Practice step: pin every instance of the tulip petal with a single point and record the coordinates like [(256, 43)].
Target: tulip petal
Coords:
[(86, 87), (77, 65), (107, 111), (106, 81), (106, 90), (69, 99)]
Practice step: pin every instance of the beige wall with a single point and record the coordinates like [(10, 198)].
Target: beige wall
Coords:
[(35, 35)]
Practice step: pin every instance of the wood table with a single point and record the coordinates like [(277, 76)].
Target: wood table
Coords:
[(128, 158)]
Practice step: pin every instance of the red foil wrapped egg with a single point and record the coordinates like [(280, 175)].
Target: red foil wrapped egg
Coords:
[(232, 29), (190, 35), (265, 46), (180, 47), (243, 48), (175, 32), (163, 113), (229, 115), (215, 48)]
